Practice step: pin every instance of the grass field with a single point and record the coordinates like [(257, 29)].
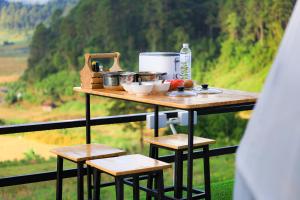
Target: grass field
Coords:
[(221, 172), (13, 58)]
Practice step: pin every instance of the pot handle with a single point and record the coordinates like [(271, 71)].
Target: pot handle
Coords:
[(115, 56)]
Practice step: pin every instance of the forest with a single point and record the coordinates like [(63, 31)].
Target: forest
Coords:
[(233, 41), (18, 16)]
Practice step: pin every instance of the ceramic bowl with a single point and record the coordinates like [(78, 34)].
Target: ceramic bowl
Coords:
[(160, 87), (127, 88), (141, 90)]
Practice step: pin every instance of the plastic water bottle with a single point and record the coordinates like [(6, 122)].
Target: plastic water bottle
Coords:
[(185, 62)]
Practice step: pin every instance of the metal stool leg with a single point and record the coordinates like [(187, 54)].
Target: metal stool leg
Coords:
[(152, 153), (89, 182), (136, 185), (80, 194), (206, 172), (178, 182), (119, 188), (97, 180), (160, 185), (59, 178)]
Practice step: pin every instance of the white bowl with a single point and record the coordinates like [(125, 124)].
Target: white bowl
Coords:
[(141, 90), (160, 87), (127, 87)]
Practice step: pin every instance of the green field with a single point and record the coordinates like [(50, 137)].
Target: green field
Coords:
[(13, 57)]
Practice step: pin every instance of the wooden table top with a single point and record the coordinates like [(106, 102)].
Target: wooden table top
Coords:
[(227, 97)]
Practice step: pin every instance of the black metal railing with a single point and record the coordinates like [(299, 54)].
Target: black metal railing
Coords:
[(51, 175)]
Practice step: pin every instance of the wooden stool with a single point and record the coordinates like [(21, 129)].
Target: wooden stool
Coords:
[(179, 143), (79, 154), (128, 166)]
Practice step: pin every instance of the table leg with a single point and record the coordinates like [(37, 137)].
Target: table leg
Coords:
[(153, 150), (206, 172), (178, 180), (88, 140), (88, 119), (80, 182), (59, 178), (190, 154), (156, 134)]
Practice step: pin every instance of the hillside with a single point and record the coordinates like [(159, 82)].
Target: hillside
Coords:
[(233, 41), (18, 16)]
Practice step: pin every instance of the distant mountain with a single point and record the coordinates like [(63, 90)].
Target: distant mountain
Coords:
[(20, 16), (3, 2), (30, 1)]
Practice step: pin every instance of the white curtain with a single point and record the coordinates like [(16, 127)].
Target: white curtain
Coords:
[(268, 159)]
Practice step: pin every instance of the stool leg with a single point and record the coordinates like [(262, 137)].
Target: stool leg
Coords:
[(206, 172), (160, 185), (152, 153), (97, 180), (59, 178), (80, 194), (119, 188), (89, 182), (178, 182), (136, 185)]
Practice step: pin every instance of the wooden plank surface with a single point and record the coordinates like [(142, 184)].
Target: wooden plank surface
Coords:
[(227, 97), (87, 152), (128, 164), (178, 141)]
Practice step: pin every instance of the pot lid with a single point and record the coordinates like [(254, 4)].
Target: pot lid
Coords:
[(204, 89), (180, 92)]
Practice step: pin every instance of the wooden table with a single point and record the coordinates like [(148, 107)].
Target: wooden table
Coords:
[(227, 101)]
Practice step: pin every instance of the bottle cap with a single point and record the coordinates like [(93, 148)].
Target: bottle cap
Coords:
[(185, 45)]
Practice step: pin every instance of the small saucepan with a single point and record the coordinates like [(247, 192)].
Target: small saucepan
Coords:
[(114, 80)]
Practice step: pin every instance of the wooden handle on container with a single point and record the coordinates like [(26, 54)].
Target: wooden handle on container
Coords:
[(115, 56)]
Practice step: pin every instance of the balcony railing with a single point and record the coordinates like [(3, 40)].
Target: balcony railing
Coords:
[(51, 175)]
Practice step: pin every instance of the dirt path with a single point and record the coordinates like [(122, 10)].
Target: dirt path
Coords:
[(14, 147)]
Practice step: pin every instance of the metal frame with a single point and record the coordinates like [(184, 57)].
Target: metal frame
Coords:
[(132, 180)]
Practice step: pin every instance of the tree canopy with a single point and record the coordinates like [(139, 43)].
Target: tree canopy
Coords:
[(225, 35)]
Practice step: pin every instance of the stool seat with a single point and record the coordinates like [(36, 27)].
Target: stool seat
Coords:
[(178, 141), (85, 152), (128, 165)]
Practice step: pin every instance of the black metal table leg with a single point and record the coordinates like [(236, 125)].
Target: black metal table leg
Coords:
[(119, 188), (88, 119), (206, 172), (136, 185), (80, 182), (156, 113), (178, 176), (190, 154), (97, 180), (88, 140), (59, 178), (160, 185), (153, 152), (89, 182)]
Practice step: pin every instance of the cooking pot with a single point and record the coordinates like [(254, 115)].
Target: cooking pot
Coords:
[(168, 62), (151, 76), (114, 80)]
